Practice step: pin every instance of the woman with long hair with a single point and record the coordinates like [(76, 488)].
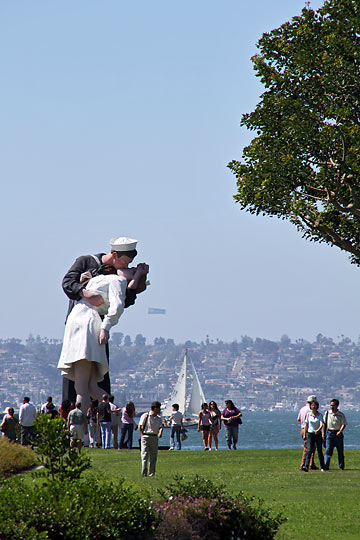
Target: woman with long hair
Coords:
[(94, 429), (204, 424), (231, 417), (215, 426), (127, 428), (65, 408)]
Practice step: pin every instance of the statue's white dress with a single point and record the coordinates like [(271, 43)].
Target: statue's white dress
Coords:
[(82, 329)]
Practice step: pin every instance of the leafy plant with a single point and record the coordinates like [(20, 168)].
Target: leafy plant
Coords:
[(85, 509), (53, 446)]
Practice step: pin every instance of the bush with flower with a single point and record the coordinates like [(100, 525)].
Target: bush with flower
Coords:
[(197, 509)]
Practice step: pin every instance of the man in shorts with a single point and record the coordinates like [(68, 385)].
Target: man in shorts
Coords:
[(77, 426)]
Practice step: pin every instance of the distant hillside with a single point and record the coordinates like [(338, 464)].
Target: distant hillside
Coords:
[(254, 373)]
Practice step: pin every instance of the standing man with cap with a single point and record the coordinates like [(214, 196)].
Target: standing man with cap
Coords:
[(301, 418), (123, 251), (334, 425)]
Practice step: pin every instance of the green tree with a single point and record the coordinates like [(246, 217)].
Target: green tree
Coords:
[(303, 165), (140, 340)]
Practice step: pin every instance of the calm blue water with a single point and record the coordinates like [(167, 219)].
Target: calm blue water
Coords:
[(265, 429)]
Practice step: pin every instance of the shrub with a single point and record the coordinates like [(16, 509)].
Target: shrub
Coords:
[(87, 509), (53, 446), (14, 457), (198, 509)]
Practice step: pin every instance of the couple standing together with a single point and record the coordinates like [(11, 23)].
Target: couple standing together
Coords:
[(99, 288)]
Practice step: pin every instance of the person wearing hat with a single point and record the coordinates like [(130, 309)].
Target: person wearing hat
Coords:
[(301, 418), (84, 358), (74, 283)]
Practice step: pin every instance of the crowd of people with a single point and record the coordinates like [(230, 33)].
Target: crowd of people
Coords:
[(210, 420), (101, 422), (108, 425)]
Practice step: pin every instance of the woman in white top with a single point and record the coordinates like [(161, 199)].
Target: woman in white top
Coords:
[(83, 356), (313, 434)]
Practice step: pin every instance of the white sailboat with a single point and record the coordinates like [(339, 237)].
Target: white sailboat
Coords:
[(189, 405)]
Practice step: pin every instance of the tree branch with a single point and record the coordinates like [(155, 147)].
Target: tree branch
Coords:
[(331, 236)]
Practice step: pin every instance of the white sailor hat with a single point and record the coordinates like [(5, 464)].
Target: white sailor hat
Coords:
[(123, 244)]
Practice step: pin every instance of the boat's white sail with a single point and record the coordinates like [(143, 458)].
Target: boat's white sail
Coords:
[(197, 396), (179, 392), (179, 396)]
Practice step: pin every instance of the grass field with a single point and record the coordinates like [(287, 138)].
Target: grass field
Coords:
[(318, 506)]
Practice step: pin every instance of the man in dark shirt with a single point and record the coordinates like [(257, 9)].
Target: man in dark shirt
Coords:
[(104, 420), (76, 278)]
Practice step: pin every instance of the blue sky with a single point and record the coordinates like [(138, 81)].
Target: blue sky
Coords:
[(119, 118)]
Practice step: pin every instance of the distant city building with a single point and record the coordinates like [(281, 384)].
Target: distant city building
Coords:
[(256, 374)]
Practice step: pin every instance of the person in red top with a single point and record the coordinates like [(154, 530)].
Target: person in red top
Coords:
[(65, 408)]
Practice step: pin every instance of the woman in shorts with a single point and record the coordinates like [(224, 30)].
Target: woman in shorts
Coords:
[(215, 427), (204, 424)]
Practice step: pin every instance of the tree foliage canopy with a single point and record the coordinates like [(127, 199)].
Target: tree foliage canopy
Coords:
[(304, 163)]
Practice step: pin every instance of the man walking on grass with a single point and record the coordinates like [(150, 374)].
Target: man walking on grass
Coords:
[(150, 428), (334, 425)]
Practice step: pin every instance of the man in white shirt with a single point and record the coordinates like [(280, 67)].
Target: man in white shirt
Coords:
[(301, 418), (150, 428), (334, 425), (27, 417), (176, 422)]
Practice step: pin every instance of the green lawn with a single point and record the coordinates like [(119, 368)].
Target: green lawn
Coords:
[(318, 506)]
